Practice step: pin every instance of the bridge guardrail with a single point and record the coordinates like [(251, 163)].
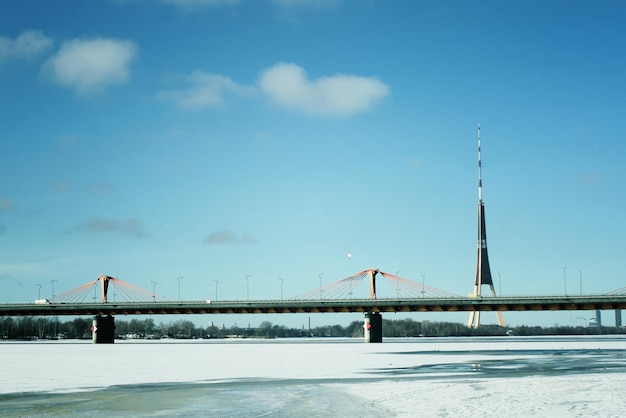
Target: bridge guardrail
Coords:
[(518, 303)]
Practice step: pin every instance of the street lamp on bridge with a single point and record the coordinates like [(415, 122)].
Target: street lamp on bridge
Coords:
[(423, 280), (565, 280), (581, 282), (281, 287), (178, 278), (248, 286), (320, 276), (216, 283), (52, 298), (397, 285), (39, 291), (153, 290)]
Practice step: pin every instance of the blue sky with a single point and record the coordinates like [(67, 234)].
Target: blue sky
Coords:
[(208, 139)]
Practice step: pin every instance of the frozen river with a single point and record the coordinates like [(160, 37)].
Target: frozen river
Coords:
[(444, 377)]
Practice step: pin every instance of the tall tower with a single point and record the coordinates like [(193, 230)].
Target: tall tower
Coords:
[(483, 272)]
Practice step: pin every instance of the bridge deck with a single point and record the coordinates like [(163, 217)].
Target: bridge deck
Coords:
[(466, 304)]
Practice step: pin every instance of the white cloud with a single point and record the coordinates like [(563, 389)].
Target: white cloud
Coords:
[(6, 205), (89, 66), (223, 237), (197, 4), (220, 237), (286, 85), (341, 95), (27, 45), (129, 227), (207, 90), (289, 10), (306, 3), (190, 5)]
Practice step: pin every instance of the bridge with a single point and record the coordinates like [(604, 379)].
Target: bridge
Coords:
[(337, 297), (459, 304)]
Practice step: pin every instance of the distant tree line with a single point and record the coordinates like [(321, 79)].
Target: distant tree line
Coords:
[(24, 328)]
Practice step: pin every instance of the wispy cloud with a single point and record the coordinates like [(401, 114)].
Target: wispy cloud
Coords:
[(291, 10), (225, 237), (61, 186), (90, 66), (287, 85), (66, 141), (205, 90), (591, 177), (196, 5), (190, 5), (99, 189), (306, 3), (415, 162), (340, 95), (131, 227), (6, 205), (27, 45)]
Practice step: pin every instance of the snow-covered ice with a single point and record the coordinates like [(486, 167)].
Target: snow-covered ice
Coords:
[(576, 376)]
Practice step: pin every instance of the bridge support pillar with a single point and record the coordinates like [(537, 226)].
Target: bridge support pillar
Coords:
[(103, 329), (373, 327)]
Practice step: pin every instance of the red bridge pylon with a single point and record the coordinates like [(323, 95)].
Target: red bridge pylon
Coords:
[(127, 292), (347, 288)]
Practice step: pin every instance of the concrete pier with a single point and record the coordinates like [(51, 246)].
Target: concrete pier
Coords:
[(103, 329), (373, 327)]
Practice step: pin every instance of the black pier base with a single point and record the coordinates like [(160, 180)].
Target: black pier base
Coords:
[(103, 330), (373, 327)]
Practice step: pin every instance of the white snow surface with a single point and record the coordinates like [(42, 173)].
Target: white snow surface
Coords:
[(365, 371)]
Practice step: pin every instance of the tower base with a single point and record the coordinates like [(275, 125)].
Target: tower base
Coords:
[(103, 330), (373, 327), (474, 316)]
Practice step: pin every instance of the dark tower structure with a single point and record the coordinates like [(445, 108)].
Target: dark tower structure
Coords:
[(483, 272)]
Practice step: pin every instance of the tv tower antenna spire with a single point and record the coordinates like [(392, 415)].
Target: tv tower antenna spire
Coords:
[(480, 172), (483, 272)]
